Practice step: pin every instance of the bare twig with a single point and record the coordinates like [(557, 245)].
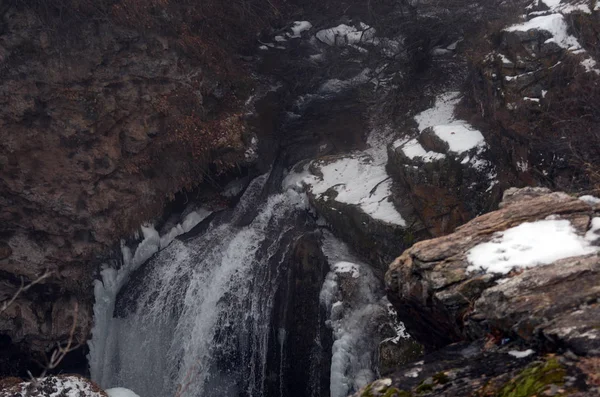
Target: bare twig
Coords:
[(24, 288)]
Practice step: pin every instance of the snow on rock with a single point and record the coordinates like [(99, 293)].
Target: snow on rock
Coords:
[(441, 113), (298, 27), (346, 35), (120, 392), (593, 235), (413, 149), (528, 244), (590, 65), (554, 24), (459, 137), (333, 86), (55, 386), (521, 354), (356, 179), (592, 200), (565, 7), (458, 134), (557, 26), (347, 267)]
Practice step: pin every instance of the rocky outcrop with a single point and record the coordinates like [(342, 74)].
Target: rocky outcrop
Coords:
[(472, 370), (443, 298), (445, 188), (97, 132), (63, 385), (531, 86), (433, 283)]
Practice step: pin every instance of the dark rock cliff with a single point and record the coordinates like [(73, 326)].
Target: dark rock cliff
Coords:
[(102, 122)]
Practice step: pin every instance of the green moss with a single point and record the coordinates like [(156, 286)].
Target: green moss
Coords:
[(393, 392), (534, 379), (424, 388), (367, 392), (409, 238), (441, 378), (389, 392)]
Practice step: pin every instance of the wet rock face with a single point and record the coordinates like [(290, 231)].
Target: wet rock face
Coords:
[(299, 326), (96, 132), (373, 239)]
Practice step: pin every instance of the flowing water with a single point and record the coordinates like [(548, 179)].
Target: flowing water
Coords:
[(201, 318), (198, 319)]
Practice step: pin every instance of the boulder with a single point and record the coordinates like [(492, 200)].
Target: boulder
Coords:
[(442, 299), (60, 385)]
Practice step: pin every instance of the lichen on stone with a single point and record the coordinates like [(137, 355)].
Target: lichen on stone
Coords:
[(441, 378), (383, 388), (534, 379)]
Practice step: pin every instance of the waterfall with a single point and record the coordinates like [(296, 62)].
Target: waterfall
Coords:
[(200, 321), (218, 313)]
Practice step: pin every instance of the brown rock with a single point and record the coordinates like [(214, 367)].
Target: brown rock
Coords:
[(97, 130), (441, 302)]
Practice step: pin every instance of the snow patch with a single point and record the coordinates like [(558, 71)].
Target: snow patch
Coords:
[(347, 267), (441, 113), (120, 392), (356, 179), (592, 200), (593, 235), (413, 149), (300, 26), (521, 354), (334, 86), (413, 373), (527, 245), (345, 35), (556, 25), (567, 7), (458, 134), (459, 137)]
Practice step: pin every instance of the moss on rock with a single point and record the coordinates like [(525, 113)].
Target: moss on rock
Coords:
[(534, 379), (382, 388)]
